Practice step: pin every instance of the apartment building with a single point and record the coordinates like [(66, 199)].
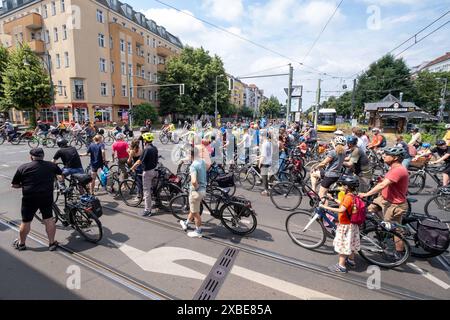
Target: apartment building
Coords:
[(99, 52)]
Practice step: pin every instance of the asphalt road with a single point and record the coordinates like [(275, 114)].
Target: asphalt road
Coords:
[(152, 258)]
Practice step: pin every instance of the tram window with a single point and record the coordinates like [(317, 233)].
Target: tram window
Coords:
[(327, 119)]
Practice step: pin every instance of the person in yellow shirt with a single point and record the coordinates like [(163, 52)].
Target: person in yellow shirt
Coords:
[(447, 134)]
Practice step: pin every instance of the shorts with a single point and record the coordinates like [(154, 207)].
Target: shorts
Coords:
[(70, 171), (391, 212), (195, 200), (31, 204), (328, 181), (447, 169)]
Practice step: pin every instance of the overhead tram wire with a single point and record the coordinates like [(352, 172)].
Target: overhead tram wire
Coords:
[(243, 39), (255, 73)]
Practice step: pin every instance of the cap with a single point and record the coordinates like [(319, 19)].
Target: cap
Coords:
[(37, 152)]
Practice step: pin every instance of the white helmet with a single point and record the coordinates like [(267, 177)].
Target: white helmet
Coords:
[(339, 133), (447, 126), (340, 140), (376, 130)]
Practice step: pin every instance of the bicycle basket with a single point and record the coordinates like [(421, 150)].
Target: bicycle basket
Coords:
[(433, 235), (225, 181), (92, 205)]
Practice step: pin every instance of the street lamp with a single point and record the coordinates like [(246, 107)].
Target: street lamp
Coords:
[(215, 110)]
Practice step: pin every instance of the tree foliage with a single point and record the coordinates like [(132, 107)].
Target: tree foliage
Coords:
[(198, 71), (271, 107), (4, 58), (143, 112), (428, 88)]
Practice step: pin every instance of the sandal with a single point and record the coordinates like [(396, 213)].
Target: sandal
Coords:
[(337, 268), (350, 263), (53, 246), (21, 247)]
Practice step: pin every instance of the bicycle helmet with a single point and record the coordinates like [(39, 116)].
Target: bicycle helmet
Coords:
[(148, 137), (376, 130), (352, 140), (349, 181), (339, 133), (143, 129), (426, 145), (340, 140), (395, 152), (447, 126), (101, 132), (62, 143), (440, 143), (120, 136)]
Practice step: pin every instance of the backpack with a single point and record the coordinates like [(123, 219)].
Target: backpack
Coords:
[(433, 235), (359, 211), (383, 142), (92, 204)]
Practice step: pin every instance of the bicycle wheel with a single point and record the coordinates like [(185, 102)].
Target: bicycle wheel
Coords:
[(179, 206), (33, 143), (15, 140), (130, 194), (286, 196), (87, 225), (56, 214), (108, 140), (439, 206), (2, 139), (378, 246), (49, 142), (416, 183), (238, 219), (166, 193), (247, 179), (306, 230), (164, 139)]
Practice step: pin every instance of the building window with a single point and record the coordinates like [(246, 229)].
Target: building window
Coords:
[(123, 69), (156, 96), (47, 36), (113, 67), (111, 42), (64, 27), (130, 48), (149, 76), (44, 12), (46, 115), (55, 32), (102, 65), (130, 69), (113, 90), (60, 88), (149, 58), (100, 16), (103, 115), (150, 95), (134, 29), (154, 43), (124, 91), (115, 20), (154, 60), (148, 41), (63, 6), (58, 61), (53, 8), (66, 59), (63, 115), (101, 40), (78, 89), (103, 90), (122, 45)]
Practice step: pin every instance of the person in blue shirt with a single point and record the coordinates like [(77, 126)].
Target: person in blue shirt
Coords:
[(97, 153)]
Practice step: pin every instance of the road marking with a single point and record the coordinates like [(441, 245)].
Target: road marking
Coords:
[(162, 260), (430, 277)]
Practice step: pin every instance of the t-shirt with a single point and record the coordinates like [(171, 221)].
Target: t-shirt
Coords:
[(37, 178), (334, 167), (360, 161), (149, 158), (95, 151), (266, 153), (121, 148), (198, 168), (447, 137), (416, 138), (396, 192), (313, 134), (347, 202), (246, 139), (442, 152), (70, 157), (376, 140), (365, 141), (43, 127)]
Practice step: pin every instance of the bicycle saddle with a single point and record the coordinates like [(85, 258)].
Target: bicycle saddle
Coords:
[(411, 200), (83, 179)]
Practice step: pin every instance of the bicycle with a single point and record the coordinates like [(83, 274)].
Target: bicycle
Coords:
[(378, 241), (249, 173), (112, 182), (439, 204), (166, 136), (37, 140), (235, 213), (80, 140), (79, 213), (417, 180)]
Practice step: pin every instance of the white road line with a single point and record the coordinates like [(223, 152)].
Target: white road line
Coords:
[(430, 277)]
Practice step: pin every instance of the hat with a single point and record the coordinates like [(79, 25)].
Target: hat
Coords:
[(37, 152)]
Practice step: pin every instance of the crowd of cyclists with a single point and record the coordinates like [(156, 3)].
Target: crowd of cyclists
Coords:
[(270, 147)]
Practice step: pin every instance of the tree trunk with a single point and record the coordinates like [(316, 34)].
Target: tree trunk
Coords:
[(33, 118)]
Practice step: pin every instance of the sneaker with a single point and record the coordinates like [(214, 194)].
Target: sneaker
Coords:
[(350, 263), (53, 246), (265, 193), (195, 234), (184, 225), (21, 247), (146, 213), (337, 268)]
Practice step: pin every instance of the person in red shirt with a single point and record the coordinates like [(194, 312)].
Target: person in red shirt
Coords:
[(346, 241), (394, 188), (120, 151), (376, 140)]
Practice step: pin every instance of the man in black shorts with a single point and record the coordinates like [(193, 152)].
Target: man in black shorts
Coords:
[(36, 180)]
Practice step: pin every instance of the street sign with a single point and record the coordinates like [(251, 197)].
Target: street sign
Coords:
[(297, 116), (297, 91), (296, 104)]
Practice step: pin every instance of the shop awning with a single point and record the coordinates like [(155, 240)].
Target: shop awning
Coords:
[(410, 115)]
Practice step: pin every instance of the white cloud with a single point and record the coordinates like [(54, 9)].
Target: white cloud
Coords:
[(226, 10), (317, 13)]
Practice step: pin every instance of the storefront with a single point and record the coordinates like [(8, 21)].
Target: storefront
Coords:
[(103, 114), (80, 112), (122, 114)]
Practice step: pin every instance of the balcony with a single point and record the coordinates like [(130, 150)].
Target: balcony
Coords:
[(31, 21), (164, 52), (37, 46), (161, 67)]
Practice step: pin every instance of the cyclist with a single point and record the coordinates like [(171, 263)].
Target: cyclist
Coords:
[(135, 153), (41, 129), (120, 150), (333, 163), (70, 158), (76, 129), (447, 134), (346, 241), (197, 192), (377, 140), (9, 129), (36, 180), (117, 129), (416, 139), (444, 153), (90, 131), (97, 153), (148, 124), (247, 144), (359, 162), (62, 128), (126, 130), (265, 161), (149, 162)]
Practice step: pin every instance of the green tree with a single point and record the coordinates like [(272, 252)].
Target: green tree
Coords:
[(198, 71), (245, 112), (271, 107), (26, 84), (4, 57), (428, 90), (143, 112)]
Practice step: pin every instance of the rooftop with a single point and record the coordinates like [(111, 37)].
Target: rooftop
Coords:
[(443, 58)]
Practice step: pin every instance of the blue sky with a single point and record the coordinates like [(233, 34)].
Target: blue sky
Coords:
[(360, 32)]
